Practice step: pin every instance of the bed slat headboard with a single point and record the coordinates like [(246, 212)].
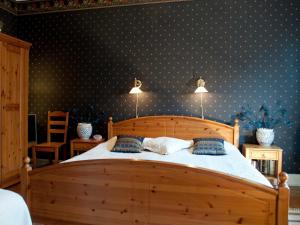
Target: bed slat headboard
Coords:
[(182, 127)]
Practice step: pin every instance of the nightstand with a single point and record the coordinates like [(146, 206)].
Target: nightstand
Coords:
[(82, 145), (265, 156)]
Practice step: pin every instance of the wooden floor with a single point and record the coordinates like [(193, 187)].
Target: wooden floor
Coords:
[(295, 197)]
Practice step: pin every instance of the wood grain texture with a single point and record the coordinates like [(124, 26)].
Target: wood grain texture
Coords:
[(14, 41), (283, 200), (175, 126), (123, 191), (144, 192), (14, 55)]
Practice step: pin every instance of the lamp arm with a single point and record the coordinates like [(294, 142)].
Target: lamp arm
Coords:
[(201, 105), (137, 105)]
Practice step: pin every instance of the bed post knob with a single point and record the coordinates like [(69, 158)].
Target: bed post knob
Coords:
[(110, 127), (236, 122), (25, 190), (283, 178), (27, 163), (236, 133)]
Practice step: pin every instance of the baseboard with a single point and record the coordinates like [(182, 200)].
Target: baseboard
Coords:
[(294, 180)]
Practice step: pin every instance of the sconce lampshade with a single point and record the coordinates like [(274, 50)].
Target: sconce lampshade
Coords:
[(200, 86), (137, 87), (135, 90)]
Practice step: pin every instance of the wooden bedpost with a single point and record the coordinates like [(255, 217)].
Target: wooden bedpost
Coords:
[(283, 200), (25, 180), (110, 127), (236, 133)]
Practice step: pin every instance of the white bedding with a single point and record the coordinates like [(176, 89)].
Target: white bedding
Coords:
[(13, 210), (234, 163)]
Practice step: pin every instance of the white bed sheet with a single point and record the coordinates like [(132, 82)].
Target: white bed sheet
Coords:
[(234, 163), (13, 209)]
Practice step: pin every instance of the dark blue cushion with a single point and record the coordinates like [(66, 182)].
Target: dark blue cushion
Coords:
[(128, 144), (208, 146)]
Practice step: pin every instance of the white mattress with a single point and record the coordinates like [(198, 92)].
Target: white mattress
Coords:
[(234, 163), (13, 210)]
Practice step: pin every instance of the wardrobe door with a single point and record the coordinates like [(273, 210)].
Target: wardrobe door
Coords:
[(11, 117), (2, 71)]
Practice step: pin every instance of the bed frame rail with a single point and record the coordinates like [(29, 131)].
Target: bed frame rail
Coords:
[(118, 191), (183, 127)]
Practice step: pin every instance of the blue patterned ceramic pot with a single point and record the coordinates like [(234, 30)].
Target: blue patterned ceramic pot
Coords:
[(265, 137), (84, 130)]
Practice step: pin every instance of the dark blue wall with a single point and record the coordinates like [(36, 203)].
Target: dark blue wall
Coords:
[(10, 23), (247, 51)]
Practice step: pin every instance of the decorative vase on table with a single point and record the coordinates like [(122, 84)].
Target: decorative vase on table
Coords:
[(264, 136), (84, 130)]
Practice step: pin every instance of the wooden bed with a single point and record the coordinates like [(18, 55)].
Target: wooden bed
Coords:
[(123, 192)]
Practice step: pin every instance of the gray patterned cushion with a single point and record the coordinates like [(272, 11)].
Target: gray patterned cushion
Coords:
[(208, 146), (128, 144)]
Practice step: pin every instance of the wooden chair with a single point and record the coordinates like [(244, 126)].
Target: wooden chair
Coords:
[(57, 125)]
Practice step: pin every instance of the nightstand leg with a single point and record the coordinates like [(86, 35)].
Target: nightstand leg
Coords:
[(279, 164), (71, 150), (33, 157), (56, 154)]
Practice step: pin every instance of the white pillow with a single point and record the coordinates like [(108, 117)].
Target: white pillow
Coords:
[(166, 145), (111, 143)]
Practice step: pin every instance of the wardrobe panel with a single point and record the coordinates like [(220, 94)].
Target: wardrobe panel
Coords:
[(14, 107)]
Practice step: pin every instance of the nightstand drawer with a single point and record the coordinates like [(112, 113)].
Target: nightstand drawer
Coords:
[(83, 146), (79, 145), (264, 155)]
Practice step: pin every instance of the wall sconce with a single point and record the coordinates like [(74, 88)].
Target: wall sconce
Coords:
[(136, 90), (201, 89)]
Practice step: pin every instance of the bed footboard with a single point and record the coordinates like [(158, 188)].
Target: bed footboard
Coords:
[(123, 192)]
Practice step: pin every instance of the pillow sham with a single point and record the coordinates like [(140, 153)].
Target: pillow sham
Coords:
[(111, 143), (128, 144), (166, 145), (208, 146)]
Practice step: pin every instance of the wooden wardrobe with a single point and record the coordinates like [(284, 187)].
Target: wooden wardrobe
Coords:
[(14, 60)]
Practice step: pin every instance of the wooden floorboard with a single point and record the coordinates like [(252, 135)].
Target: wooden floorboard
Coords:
[(295, 197)]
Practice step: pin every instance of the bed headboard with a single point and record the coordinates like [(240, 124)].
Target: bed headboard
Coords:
[(174, 126)]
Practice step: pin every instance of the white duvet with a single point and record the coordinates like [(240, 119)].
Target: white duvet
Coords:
[(13, 210), (234, 163)]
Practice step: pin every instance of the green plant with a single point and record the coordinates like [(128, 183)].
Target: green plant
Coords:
[(264, 118)]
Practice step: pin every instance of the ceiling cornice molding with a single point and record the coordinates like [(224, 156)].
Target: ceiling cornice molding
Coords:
[(49, 6), (8, 6)]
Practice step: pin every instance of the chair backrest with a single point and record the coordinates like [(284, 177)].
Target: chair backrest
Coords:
[(57, 124)]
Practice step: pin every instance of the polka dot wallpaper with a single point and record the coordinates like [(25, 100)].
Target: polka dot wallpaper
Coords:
[(246, 50), (10, 22)]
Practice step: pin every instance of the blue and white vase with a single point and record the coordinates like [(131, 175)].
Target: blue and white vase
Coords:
[(264, 136), (84, 130)]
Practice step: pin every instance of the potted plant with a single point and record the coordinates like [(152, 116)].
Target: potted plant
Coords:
[(264, 121)]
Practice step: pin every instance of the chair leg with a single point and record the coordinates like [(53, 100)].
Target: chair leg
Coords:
[(33, 157), (50, 157), (56, 155), (64, 149)]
